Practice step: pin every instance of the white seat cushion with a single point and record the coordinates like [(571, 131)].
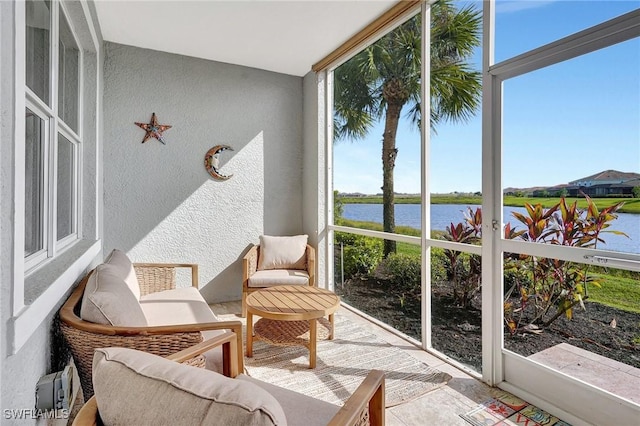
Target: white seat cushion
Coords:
[(283, 252), (179, 306), (273, 277), (108, 300), (135, 388), (183, 305)]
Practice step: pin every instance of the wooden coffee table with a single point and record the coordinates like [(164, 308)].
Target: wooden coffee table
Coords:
[(287, 312)]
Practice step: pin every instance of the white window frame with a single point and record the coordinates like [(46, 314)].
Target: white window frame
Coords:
[(55, 126), (41, 255), (55, 276), (62, 243)]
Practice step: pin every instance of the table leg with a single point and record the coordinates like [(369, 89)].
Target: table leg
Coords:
[(249, 334), (313, 335), (332, 324)]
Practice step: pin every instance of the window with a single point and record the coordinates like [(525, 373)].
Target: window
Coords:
[(68, 70), (52, 132), (38, 41), (65, 188), (34, 177)]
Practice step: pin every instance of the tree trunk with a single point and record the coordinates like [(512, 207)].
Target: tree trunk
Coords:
[(389, 153)]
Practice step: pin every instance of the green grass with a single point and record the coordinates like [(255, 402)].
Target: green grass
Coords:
[(631, 205), (618, 292), (375, 226), (406, 248)]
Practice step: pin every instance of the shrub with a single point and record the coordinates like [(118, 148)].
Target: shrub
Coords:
[(404, 271), (553, 287), (345, 238), (548, 287), (463, 270), (438, 262), (361, 254)]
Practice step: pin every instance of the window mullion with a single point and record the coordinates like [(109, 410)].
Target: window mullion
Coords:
[(53, 136), (53, 63), (34, 102), (68, 131), (51, 185)]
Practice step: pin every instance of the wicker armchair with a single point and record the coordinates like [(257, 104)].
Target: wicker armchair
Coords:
[(250, 267), (84, 337), (366, 406)]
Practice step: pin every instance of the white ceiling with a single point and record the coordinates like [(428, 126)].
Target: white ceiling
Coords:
[(282, 36)]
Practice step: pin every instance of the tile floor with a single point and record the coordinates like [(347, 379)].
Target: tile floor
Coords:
[(462, 394)]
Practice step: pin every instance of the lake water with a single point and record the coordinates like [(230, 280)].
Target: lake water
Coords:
[(443, 214)]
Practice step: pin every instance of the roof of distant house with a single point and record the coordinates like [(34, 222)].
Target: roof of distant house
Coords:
[(608, 175)]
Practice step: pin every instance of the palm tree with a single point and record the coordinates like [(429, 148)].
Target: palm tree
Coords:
[(385, 77)]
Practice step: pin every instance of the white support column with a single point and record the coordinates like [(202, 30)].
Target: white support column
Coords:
[(425, 136), (327, 136), (492, 329)]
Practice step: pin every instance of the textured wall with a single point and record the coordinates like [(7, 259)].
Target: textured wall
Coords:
[(160, 204), (7, 100)]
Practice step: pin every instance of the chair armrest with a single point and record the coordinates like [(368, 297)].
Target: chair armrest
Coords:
[(249, 265), (369, 394), (311, 265), (88, 414), (234, 326), (229, 345), (155, 277)]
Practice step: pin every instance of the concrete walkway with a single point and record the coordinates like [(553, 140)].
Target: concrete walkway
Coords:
[(613, 376)]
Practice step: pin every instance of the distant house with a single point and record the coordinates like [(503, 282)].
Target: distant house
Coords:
[(606, 177), (603, 184)]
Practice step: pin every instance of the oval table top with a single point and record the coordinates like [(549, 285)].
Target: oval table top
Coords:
[(292, 302)]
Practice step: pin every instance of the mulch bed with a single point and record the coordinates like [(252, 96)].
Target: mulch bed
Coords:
[(456, 332)]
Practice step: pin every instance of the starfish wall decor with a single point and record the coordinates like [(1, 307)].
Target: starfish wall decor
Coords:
[(153, 129)]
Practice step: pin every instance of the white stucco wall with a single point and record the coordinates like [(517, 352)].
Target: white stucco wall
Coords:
[(6, 175), (160, 203)]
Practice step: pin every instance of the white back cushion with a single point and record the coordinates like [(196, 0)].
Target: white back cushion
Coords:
[(283, 252), (124, 269), (135, 388), (107, 299)]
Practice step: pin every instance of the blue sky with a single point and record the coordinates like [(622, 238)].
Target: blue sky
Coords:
[(560, 123)]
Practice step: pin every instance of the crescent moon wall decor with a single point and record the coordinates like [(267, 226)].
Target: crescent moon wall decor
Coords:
[(212, 161)]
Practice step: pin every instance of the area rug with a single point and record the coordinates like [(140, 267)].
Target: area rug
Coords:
[(342, 364), (505, 409)]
